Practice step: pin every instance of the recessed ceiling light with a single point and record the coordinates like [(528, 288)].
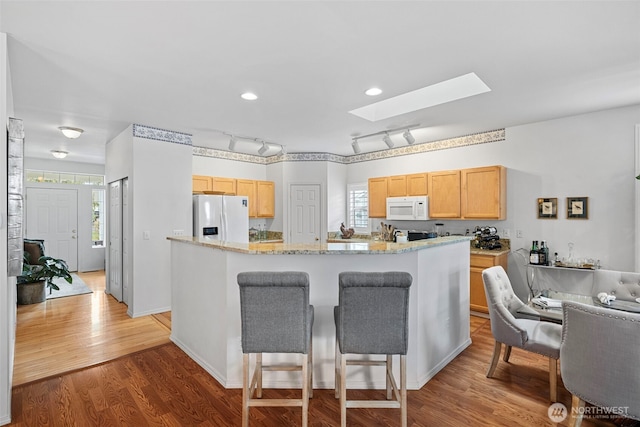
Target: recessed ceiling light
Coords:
[(249, 96), (436, 94), (373, 91)]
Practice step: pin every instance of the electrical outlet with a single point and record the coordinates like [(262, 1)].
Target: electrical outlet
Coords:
[(519, 234), (146, 235), (178, 232), (506, 233)]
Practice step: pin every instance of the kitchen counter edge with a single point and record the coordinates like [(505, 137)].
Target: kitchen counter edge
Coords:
[(353, 248)]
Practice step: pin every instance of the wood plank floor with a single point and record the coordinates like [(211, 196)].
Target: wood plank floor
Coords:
[(163, 386)]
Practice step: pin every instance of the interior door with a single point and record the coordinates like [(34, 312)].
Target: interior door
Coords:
[(126, 243), (52, 215), (304, 224), (114, 267)]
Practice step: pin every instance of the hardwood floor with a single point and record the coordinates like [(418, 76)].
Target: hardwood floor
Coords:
[(163, 386), (69, 333)]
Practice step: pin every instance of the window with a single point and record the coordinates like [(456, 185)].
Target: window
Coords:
[(98, 217), (358, 207), (63, 178)]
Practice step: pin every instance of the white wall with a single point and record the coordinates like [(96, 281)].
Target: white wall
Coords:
[(7, 284)]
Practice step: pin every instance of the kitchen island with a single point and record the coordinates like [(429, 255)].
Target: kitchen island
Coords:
[(205, 308)]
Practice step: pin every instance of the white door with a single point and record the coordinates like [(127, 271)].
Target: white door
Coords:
[(114, 267), (126, 243), (52, 215), (304, 223)]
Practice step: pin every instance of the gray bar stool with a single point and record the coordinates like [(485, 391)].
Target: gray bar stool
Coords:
[(276, 318), (372, 318)]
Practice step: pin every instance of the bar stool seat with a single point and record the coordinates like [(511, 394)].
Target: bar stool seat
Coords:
[(372, 318), (276, 318)]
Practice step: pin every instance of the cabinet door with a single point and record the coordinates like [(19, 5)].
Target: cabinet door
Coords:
[(201, 183), (479, 263), (444, 194), (397, 186), (246, 187), (378, 197), (228, 185), (266, 199), (484, 193), (417, 184)]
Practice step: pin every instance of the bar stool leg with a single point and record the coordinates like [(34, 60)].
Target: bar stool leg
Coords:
[(305, 390), (245, 390), (343, 391), (403, 390), (259, 372), (337, 368), (311, 368), (388, 373)]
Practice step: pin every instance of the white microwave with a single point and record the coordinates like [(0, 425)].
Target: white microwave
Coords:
[(414, 208)]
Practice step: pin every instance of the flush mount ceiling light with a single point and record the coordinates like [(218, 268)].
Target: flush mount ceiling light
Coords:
[(387, 140), (71, 133), (263, 149), (436, 94), (232, 143), (374, 91), (355, 146), (59, 154), (407, 135), (249, 96)]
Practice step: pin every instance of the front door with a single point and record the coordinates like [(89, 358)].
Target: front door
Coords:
[(304, 224), (52, 215)]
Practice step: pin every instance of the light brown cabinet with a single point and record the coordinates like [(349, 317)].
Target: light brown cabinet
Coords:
[(378, 197), (484, 193), (265, 199), (417, 184), (227, 185), (397, 186), (246, 187), (444, 194), (201, 183), (477, 298)]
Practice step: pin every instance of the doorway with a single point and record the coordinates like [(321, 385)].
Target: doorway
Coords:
[(52, 215), (304, 214), (118, 267)]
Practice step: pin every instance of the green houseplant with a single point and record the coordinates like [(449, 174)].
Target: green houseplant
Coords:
[(36, 278)]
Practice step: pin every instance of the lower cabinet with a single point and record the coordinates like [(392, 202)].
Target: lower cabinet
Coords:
[(478, 301)]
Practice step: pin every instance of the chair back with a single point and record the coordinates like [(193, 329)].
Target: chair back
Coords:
[(503, 303), (372, 316), (599, 354), (275, 311)]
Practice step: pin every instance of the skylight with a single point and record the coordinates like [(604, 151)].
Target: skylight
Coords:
[(436, 94)]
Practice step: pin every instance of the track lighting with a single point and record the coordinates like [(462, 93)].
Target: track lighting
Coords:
[(355, 146), (283, 150), (232, 143), (407, 135), (264, 145), (71, 133), (263, 149), (387, 140)]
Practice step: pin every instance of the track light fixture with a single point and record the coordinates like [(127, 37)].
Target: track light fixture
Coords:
[(387, 140), (355, 146), (263, 149), (264, 145), (232, 143), (407, 135)]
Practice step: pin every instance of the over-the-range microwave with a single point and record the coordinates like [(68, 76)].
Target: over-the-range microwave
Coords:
[(414, 208)]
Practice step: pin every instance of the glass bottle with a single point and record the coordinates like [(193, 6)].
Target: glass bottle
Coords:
[(533, 253)]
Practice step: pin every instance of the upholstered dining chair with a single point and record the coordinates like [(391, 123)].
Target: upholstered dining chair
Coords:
[(599, 353), (531, 335), (372, 319), (276, 318)]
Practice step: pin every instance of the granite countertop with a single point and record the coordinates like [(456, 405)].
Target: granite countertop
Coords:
[(353, 248)]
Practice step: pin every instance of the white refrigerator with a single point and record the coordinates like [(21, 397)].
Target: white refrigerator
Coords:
[(223, 218)]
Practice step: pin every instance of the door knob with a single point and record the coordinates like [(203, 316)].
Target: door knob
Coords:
[(317, 239)]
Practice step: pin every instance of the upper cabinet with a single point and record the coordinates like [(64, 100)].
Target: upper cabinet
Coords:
[(397, 186), (417, 184), (201, 183), (484, 193), (266, 199), (247, 187), (378, 197), (227, 185), (444, 194)]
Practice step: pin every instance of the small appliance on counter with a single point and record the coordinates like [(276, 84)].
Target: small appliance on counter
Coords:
[(413, 235), (487, 238)]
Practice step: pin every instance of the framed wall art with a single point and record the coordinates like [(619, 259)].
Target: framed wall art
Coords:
[(548, 208), (577, 208)]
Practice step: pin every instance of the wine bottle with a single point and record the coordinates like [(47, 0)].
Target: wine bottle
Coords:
[(542, 254), (534, 257)]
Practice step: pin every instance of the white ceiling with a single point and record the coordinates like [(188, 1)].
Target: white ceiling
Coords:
[(181, 65)]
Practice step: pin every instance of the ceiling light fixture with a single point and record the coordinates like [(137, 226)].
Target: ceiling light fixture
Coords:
[(232, 143), (374, 91), (249, 96), (71, 133), (59, 154), (356, 146), (407, 135), (387, 140), (263, 149)]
